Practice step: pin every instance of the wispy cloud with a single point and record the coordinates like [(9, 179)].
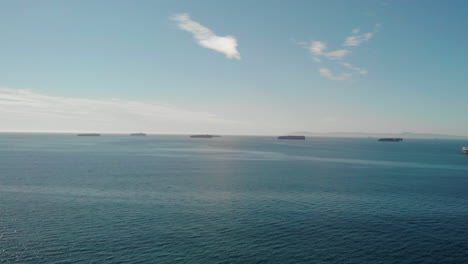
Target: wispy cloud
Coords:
[(329, 75), (352, 67), (319, 50), (337, 54), (207, 38), (24, 110), (317, 47), (359, 39)]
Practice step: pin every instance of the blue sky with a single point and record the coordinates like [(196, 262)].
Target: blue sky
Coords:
[(120, 66)]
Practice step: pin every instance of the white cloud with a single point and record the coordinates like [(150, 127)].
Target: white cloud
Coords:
[(329, 75), (24, 110), (359, 39), (317, 47), (337, 54), (321, 54), (352, 67), (207, 38)]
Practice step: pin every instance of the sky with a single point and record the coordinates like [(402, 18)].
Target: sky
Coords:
[(234, 67)]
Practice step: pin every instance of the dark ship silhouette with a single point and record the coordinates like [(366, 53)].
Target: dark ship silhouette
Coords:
[(292, 137)]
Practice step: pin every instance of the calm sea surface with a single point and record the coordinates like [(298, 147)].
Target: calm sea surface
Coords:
[(173, 199)]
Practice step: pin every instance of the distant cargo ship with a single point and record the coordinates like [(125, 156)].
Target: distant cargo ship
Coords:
[(465, 150), (292, 137), (203, 136), (89, 135), (138, 134), (391, 139)]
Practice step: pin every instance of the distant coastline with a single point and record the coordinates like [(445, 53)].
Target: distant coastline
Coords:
[(204, 136), (379, 135)]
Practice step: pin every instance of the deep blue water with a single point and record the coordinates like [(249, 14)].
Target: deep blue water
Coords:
[(172, 199)]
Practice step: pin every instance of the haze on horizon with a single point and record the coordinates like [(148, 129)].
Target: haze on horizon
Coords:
[(252, 68)]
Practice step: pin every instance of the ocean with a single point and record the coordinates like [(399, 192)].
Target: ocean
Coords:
[(233, 199)]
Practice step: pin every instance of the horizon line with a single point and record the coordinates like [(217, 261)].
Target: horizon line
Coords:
[(311, 134)]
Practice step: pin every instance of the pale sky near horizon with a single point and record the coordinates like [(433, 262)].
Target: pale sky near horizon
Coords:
[(234, 67)]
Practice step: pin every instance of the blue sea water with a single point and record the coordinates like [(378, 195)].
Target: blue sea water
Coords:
[(173, 199)]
